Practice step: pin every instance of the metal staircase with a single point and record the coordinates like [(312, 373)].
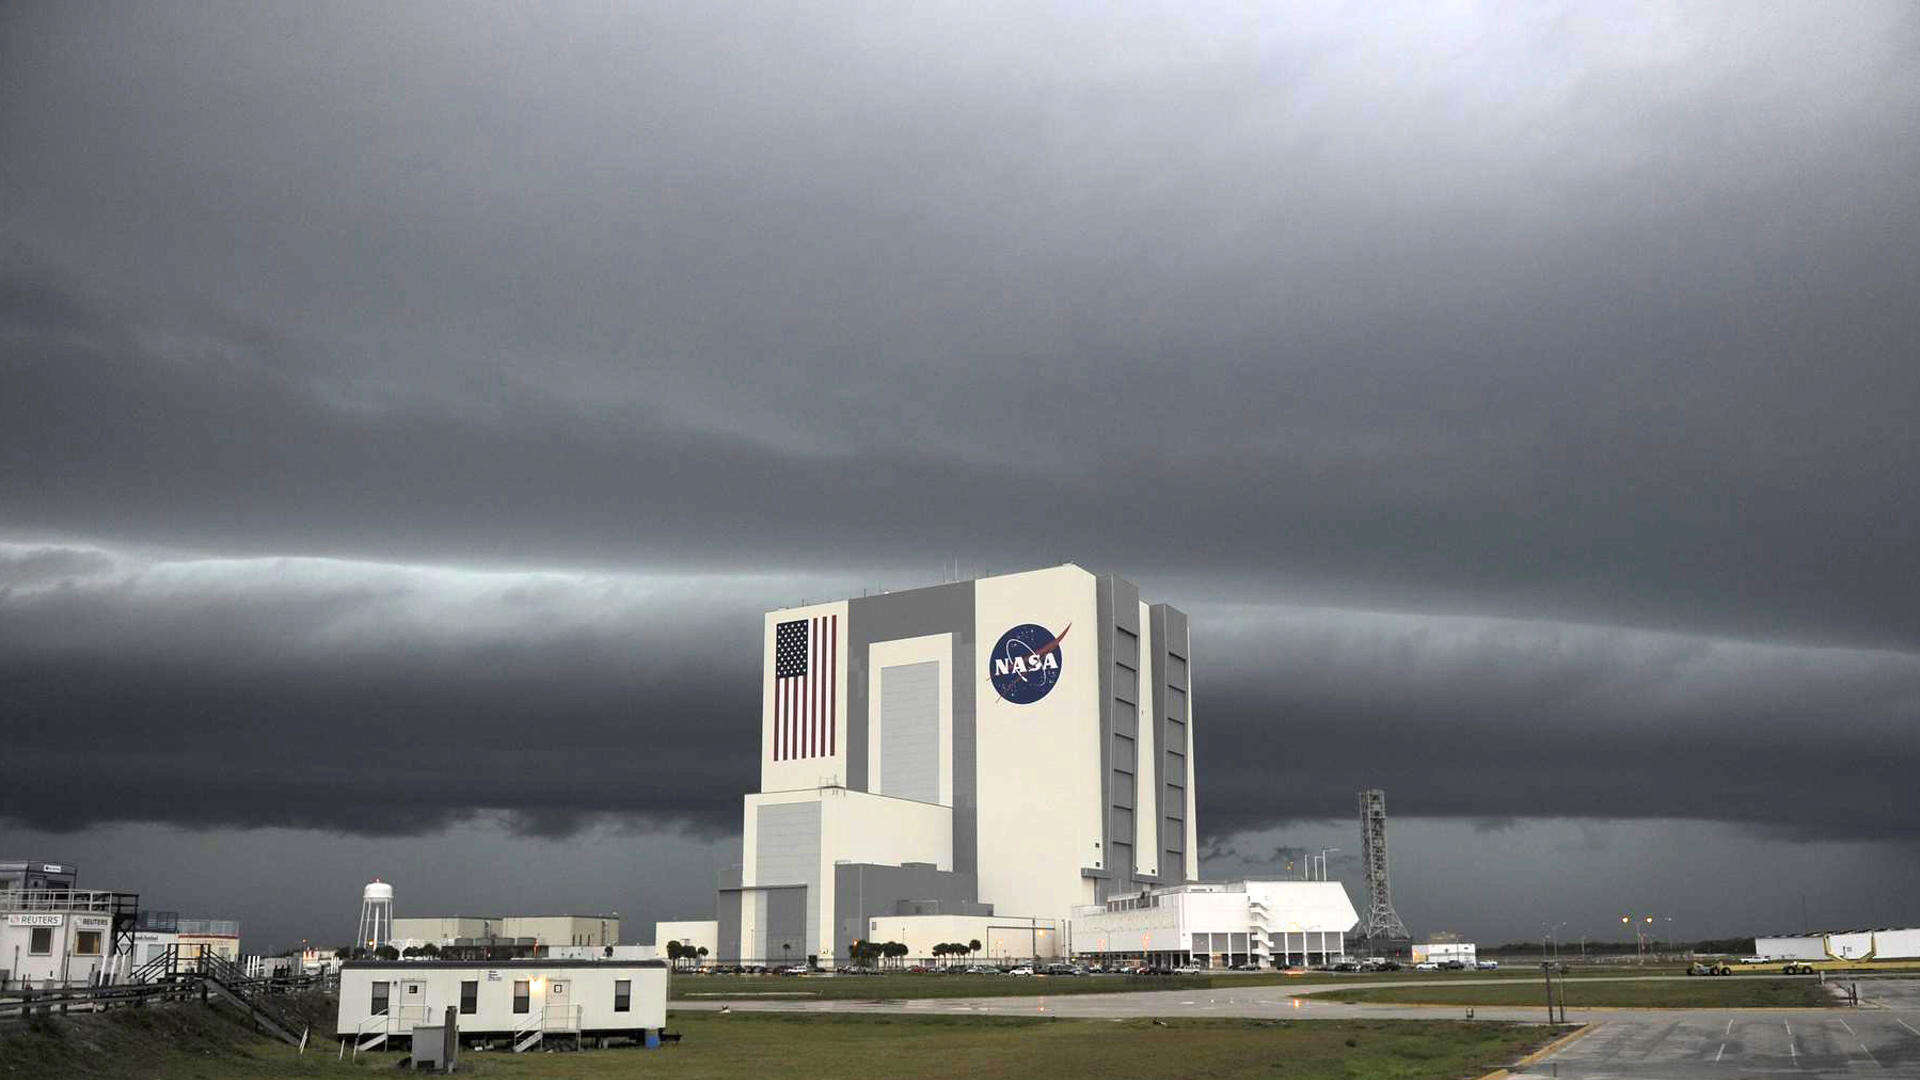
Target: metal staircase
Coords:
[(222, 978), (557, 1019)]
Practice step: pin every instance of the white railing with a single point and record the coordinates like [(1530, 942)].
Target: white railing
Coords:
[(529, 1032), (374, 1030), (58, 899), (560, 1018)]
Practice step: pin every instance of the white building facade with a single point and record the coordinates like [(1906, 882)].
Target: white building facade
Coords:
[(1269, 923), (581, 997), (63, 937), (1861, 945), (1013, 746)]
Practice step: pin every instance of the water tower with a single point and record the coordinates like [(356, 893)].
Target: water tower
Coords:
[(376, 915)]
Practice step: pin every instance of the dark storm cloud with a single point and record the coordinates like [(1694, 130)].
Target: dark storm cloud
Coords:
[(380, 699), (1563, 360), (1493, 720)]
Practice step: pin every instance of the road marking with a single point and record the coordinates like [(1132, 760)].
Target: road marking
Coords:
[(1906, 1025), (1729, 1025), (1792, 1051), (1722, 1050), (1850, 1031)]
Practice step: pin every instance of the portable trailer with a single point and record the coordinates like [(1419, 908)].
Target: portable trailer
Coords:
[(518, 1004)]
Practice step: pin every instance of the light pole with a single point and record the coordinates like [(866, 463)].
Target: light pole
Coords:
[(1546, 936), (1324, 852)]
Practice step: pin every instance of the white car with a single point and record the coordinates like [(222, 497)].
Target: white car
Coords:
[(1020, 971), (1753, 959), (1426, 965), (1488, 965)]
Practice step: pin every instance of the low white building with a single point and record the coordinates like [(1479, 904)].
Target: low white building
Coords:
[(601, 952), (1889, 944), (1001, 939), (1270, 923), (60, 937), (507, 1000), (541, 930), (1441, 952), (694, 933)]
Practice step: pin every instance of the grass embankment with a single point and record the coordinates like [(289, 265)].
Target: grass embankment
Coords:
[(1701, 993), (167, 1044)]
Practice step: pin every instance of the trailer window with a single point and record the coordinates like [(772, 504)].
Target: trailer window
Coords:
[(470, 997), (40, 942), (87, 943), (378, 1006), (623, 995), (521, 998)]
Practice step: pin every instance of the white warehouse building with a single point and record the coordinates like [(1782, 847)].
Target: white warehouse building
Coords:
[(1888, 944), (1269, 923), (1012, 747)]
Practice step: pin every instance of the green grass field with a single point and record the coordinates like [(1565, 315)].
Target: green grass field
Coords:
[(124, 1045), (895, 987), (1673, 993)]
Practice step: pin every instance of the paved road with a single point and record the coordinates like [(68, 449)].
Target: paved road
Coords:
[(1703, 1044), (1881, 1039)]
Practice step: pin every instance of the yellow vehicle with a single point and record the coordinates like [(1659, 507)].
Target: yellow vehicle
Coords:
[(1710, 967)]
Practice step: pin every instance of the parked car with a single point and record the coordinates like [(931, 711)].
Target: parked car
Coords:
[(1753, 959), (1021, 970), (1797, 967), (1426, 965), (1188, 969), (1453, 965), (1488, 965), (1246, 967)]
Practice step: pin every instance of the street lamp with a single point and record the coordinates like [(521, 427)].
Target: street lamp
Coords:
[(1324, 852)]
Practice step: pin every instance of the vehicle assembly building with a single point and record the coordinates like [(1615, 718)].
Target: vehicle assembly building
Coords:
[(1004, 750)]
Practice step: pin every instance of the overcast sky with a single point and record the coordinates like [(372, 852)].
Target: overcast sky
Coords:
[(406, 412)]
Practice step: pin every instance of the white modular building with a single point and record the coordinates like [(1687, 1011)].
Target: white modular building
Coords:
[(63, 936), (1862, 945), (1012, 746), (1442, 952), (505, 1000), (1269, 923)]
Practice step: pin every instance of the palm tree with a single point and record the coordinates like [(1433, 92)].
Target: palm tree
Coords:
[(973, 947)]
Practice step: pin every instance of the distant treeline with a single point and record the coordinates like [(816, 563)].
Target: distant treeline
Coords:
[(1741, 945)]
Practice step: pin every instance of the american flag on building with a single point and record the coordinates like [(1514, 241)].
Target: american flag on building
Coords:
[(805, 693)]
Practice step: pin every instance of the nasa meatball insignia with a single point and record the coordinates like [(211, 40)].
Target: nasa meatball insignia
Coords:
[(1026, 662)]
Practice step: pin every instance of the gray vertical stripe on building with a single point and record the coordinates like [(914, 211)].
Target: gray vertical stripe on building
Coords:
[(939, 609), (1171, 658), (1117, 604), (910, 731), (787, 851)]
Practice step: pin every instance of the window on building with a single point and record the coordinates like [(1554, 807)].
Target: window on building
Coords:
[(87, 943), (40, 942), (522, 1000), (623, 995), (469, 997), (378, 1007)]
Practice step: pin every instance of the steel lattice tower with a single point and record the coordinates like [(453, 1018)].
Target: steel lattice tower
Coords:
[(1381, 921)]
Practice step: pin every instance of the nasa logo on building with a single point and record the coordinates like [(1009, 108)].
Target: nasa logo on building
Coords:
[(1026, 662)]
